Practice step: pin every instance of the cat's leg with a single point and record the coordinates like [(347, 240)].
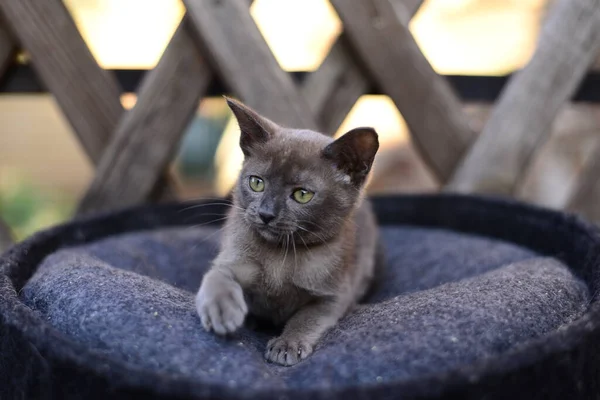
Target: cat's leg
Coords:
[(220, 302), (302, 332)]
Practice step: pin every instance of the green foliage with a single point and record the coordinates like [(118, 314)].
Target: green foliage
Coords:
[(27, 209)]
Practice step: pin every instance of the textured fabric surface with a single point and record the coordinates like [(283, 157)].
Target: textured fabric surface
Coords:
[(39, 361), (446, 300)]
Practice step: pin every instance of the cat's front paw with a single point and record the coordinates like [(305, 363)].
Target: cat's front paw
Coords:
[(287, 351), (222, 310)]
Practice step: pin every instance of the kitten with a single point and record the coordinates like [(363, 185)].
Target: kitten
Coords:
[(299, 245)]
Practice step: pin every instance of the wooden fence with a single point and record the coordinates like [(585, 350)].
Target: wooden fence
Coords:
[(219, 39)]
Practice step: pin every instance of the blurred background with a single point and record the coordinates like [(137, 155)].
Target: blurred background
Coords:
[(43, 170)]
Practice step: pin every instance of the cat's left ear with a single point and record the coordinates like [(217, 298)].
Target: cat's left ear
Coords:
[(254, 128), (354, 152)]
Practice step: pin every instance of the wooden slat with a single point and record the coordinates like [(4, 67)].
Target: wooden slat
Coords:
[(335, 87), (339, 82), (406, 9), (5, 236), (227, 34), (7, 48), (432, 111), (569, 42), (585, 199), (148, 135), (88, 96)]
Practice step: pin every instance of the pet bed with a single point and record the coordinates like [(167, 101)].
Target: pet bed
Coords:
[(480, 298)]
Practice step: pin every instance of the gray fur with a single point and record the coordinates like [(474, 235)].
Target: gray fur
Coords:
[(305, 267)]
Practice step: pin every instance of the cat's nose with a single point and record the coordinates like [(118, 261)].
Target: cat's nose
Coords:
[(266, 216)]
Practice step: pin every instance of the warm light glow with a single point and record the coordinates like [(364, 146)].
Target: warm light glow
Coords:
[(128, 100), (379, 112), (481, 37), (211, 106), (228, 159), (491, 37), (38, 141), (126, 33), (300, 33)]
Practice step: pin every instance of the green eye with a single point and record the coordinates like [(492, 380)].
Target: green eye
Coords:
[(257, 184), (302, 196)]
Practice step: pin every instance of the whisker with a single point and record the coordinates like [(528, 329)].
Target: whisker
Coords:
[(323, 241), (312, 223), (206, 223), (224, 217), (303, 241), (199, 242), (304, 229), (195, 206), (294, 245), (215, 214), (286, 250), (212, 234), (206, 198)]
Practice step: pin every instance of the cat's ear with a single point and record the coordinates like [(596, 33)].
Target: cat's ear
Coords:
[(354, 152), (254, 128)]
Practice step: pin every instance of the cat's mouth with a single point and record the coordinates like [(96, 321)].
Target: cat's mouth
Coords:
[(273, 234), (270, 232)]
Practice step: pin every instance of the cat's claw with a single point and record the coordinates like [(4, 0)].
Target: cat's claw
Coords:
[(224, 312), (287, 351)]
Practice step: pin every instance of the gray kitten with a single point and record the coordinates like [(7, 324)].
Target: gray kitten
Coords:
[(299, 245)]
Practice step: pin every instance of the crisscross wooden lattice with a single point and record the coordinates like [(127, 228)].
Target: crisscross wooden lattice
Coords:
[(219, 39)]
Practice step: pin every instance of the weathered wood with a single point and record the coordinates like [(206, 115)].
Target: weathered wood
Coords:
[(228, 35), (5, 236), (585, 199), (554, 172), (339, 82), (569, 42), (432, 111), (406, 9), (7, 48), (88, 96), (149, 134), (335, 87)]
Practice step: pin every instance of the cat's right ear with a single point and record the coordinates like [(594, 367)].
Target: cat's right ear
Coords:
[(354, 152), (254, 128)]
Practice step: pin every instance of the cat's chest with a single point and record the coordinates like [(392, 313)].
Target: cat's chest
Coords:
[(269, 289), (278, 274), (275, 287), (274, 275), (275, 304)]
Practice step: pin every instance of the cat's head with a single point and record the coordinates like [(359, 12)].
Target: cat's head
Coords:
[(299, 184)]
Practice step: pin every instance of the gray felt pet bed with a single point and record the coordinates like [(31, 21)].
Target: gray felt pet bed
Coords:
[(480, 297)]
